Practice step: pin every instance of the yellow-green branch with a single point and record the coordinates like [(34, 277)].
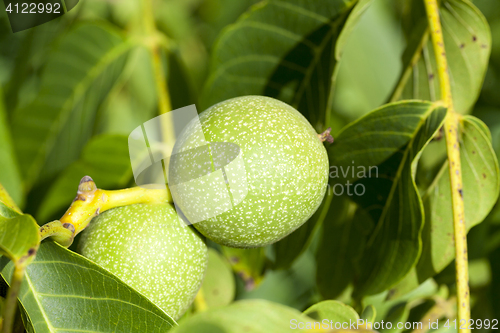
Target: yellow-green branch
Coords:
[(451, 128), (91, 201)]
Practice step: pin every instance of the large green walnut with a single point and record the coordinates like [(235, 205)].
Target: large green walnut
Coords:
[(276, 180), (151, 250)]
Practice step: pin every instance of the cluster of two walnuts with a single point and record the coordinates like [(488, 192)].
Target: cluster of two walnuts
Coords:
[(286, 167)]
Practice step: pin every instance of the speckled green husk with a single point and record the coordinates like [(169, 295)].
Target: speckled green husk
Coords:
[(286, 167), (151, 250)]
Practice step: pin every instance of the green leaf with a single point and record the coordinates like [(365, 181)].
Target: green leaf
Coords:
[(10, 177), (249, 316), (282, 49), (379, 154), (105, 158), (341, 240), (467, 41), (334, 311), (481, 186), (63, 291), (50, 132), (218, 287), (19, 237)]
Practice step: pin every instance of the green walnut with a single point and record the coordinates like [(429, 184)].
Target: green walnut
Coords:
[(150, 249), (267, 171)]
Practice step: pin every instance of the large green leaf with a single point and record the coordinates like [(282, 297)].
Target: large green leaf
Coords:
[(64, 292), (19, 237), (481, 185), (375, 159), (282, 49), (467, 40), (105, 158), (50, 132), (249, 316), (10, 177)]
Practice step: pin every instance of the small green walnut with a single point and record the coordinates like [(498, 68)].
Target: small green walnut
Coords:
[(276, 182), (150, 249)]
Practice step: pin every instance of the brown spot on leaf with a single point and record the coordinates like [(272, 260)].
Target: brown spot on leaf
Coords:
[(69, 226), (462, 45), (484, 175), (474, 38)]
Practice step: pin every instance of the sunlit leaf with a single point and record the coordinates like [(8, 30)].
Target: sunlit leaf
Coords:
[(62, 291), (19, 237), (467, 41)]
